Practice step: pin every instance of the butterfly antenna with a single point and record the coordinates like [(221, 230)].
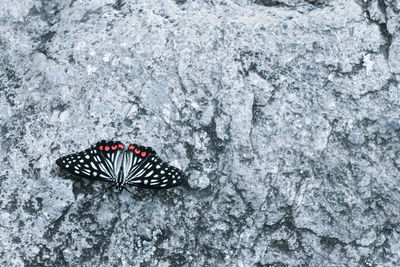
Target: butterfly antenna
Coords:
[(99, 195)]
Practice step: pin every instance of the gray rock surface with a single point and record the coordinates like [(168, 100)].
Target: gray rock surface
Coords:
[(284, 114)]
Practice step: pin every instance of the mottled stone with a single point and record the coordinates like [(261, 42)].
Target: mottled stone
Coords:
[(394, 55), (356, 137), (283, 114)]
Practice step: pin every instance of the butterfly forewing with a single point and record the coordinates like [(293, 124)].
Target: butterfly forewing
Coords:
[(112, 155), (87, 163), (154, 173), (134, 157)]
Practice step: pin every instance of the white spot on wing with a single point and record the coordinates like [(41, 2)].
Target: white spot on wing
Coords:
[(93, 165), (150, 173), (140, 173)]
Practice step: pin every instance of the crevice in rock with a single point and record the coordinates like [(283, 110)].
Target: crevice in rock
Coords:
[(382, 26), (44, 40), (180, 2), (254, 111), (49, 12), (280, 4), (118, 5), (269, 3), (384, 30), (385, 87), (317, 3), (51, 231)]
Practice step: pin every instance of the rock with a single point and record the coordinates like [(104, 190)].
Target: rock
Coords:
[(394, 56), (356, 138), (198, 181), (283, 114)]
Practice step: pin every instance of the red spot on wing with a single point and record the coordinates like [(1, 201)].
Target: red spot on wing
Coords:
[(101, 148), (131, 147), (107, 148), (137, 151), (121, 146), (114, 147), (143, 154)]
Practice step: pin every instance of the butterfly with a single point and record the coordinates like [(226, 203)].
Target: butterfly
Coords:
[(133, 165)]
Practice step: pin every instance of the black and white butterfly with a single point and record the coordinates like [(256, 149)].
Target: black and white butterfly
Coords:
[(134, 165)]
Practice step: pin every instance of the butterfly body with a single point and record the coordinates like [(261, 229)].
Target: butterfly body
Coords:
[(133, 165)]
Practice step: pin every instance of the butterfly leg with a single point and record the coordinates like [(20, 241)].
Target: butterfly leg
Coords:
[(111, 186), (102, 193), (127, 189)]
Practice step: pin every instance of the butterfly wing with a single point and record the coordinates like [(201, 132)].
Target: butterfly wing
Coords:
[(112, 154), (108, 161), (134, 157), (98, 162), (144, 169)]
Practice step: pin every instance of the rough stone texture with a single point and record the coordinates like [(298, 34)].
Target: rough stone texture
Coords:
[(284, 115)]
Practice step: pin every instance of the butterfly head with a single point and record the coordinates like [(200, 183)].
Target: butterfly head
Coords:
[(119, 186)]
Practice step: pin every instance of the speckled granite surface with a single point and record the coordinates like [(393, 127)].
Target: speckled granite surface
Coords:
[(283, 114)]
